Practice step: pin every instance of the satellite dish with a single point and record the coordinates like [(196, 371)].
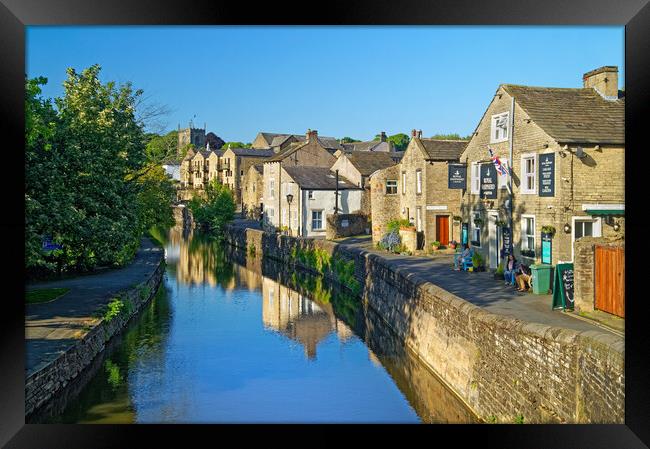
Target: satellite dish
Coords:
[(580, 152)]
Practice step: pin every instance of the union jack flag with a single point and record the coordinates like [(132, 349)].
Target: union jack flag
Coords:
[(502, 169)]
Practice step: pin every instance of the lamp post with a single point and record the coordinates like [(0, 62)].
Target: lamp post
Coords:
[(289, 200)]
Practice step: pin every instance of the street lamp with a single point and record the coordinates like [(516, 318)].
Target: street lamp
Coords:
[(289, 200)]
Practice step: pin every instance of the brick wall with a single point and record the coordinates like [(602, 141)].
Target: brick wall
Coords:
[(500, 366)]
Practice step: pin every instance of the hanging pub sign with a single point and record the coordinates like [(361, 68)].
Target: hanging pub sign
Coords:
[(457, 178), (547, 248), (488, 181), (547, 174), (563, 286), (464, 234)]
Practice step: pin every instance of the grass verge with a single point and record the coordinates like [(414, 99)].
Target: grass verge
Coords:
[(44, 295)]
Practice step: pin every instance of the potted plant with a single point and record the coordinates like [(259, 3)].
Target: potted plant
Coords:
[(435, 245), (478, 222), (477, 261), (498, 274), (500, 223), (528, 253), (457, 219), (548, 229)]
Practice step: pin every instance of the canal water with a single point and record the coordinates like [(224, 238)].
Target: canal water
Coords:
[(232, 338)]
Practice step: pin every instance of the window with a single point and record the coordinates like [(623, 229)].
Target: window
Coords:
[(585, 227), (391, 187), (418, 181), (403, 183), (476, 178), (528, 177), (272, 188), (476, 230), (528, 236), (317, 220), (310, 194), (500, 125), (503, 179), (241, 173)]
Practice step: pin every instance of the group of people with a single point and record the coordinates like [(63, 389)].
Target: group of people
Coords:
[(514, 273)]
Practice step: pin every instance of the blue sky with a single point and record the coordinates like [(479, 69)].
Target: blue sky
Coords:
[(342, 81)]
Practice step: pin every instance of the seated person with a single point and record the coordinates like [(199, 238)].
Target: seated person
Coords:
[(510, 270), (523, 277), (459, 257)]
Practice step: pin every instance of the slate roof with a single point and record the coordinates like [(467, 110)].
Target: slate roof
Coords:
[(252, 152), (368, 162), (259, 168), (292, 148), (318, 178), (571, 115), (442, 150)]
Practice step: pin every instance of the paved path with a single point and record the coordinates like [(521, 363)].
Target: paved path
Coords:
[(51, 327), (480, 289)]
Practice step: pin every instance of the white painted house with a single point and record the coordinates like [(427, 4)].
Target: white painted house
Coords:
[(173, 171), (313, 193)]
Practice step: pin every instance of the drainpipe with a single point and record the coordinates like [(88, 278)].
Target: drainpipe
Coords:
[(280, 195), (511, 162), (336, 206)]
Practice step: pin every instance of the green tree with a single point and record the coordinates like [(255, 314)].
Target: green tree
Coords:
[(161, 149), (400, 141), (214, 210), (350, 140), (236, 145), (454, 136), (88, 183)]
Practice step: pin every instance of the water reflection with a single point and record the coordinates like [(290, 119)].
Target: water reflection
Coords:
[(235, 338)]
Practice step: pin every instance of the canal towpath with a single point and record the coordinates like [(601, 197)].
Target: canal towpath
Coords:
[(481, 289), (52, 327)]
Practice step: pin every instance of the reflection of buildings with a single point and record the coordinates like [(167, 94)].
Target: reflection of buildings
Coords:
[(298, 317)]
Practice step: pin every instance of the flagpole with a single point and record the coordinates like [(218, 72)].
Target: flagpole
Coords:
[(511, 164)]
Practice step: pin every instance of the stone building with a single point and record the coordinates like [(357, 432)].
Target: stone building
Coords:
[(421, 187), (313, 192), (281, 142), (568, 152), (384, 199), (253, 183), (190, 135), (312, 152), (235, 163), (357, 166), (379, 145)]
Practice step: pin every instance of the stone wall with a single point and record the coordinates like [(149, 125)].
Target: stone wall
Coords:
[(42, 385), (499, 366), (583, 270), (345, 225)]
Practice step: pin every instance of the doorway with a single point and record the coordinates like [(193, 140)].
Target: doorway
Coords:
[(442, 229)]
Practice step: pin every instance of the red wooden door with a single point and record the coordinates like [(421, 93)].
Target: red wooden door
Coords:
[(610, 279), (442, 229)]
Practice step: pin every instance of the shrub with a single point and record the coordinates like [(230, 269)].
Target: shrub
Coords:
[(390, 241), (477, 260), (394, 225)]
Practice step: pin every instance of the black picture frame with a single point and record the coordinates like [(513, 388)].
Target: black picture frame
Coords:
[(16, 14)]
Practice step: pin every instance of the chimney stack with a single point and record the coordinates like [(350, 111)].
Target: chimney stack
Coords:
[(419, 134), (414, 133), (311, 135), (382, 136), (604, 80)]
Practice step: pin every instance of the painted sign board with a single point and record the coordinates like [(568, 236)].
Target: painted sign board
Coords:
[(436, 207), (49, 245), (563, 286), (488, 181), (345, 223), (547, 248), (547, 174), (506, 236), (457, 178)]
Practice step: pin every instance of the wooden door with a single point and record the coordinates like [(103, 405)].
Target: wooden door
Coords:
[(442, 229), (610, 279)]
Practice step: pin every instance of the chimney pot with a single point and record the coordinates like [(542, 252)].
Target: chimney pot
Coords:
[(382, 136), (413, 133), (419, 134)]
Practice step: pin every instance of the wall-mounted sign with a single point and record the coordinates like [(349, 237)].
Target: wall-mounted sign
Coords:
[(547, 248), (563, 286), (457, 176), (436, 207), (48, 245), (345, 223), (507, 241), (547, 174), (464, 234), (488, 181)]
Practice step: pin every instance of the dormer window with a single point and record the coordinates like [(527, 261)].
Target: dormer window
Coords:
[(499, 130)]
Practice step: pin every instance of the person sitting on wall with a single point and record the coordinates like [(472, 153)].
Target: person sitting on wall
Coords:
[(510, 270), (523, 277), (459, 257)]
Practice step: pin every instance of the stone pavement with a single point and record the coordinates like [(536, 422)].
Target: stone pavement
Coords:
[(480, 288), (52, 327)]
